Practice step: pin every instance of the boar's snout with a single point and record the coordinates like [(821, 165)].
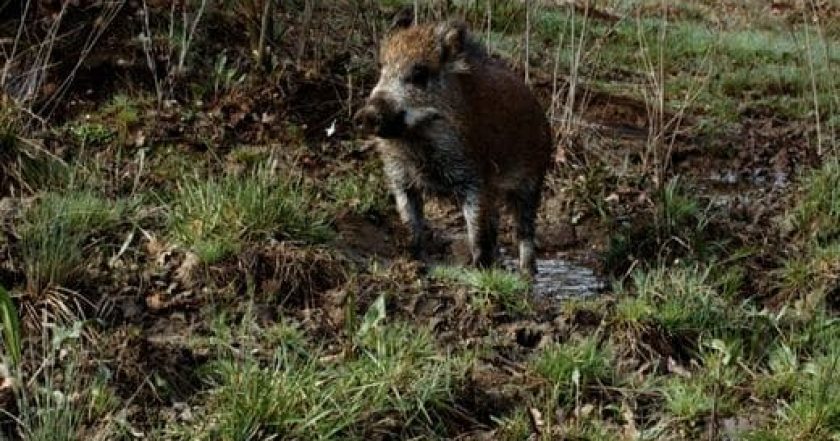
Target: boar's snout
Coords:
[(381, 118)]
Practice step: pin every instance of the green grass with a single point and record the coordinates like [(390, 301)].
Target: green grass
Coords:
[(814, 220), (394, 382), (63, 401), (677, 227), (493, 288), (122, 114), (817, 213), (216, 216), (572, 366), (766, 67), (809, 406), (55, 233), (10, 322), (677, 300)]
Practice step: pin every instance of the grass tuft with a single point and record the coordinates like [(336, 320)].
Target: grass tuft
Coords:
[(817, 214), (394, 383), (55, 232), (495, 287), (572, 366), (215, 217), (677, 300)]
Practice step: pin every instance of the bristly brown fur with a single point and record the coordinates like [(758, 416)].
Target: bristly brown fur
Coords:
[(465, 125)]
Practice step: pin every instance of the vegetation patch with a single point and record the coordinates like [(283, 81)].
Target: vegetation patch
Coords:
[(491, 289), (55, 236), (216, 216), (394, 382)]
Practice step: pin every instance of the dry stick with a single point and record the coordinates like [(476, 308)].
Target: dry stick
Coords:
[(350, 94), (170, 47), (185, 45), (830, 78), (651, 96), (568, 117), (35, 74), (263, 31), (660, 91), (673, 125), (527, 41), (489, 23), (813, 84), (146, 41), (554, 77), (713, 427)]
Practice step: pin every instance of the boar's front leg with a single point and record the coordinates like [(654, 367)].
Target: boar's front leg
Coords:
[(482, 219), (409, 201), (410, 207)]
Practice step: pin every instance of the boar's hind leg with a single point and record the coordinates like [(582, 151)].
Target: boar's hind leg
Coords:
[(410, 207), (524, 205), (482, 219)]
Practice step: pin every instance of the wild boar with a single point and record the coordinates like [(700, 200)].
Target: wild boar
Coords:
[(449, 119)]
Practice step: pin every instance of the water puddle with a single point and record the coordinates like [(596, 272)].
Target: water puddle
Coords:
[(560, 278), (758, 177)]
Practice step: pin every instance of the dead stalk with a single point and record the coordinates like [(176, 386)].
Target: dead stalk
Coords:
[(264, 26), (306, 24), (188, 38), (571, 96), (489, 24), (527, 41), (146, 41)]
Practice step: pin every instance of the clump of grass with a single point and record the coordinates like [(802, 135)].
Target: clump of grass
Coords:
[(394, 383), (678, 300), (514, 427), (55, 232), (490, 288), (815, 411), (783, 372), (62, 402), (89, 133), (216, 216), (815, 219), (710, 389), (572, 366), (687, 398), (812, 275), (808, 398), (122, 114), (817, 214), (677, 227)]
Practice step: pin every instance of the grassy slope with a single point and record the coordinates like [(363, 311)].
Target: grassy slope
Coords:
[(229, 308)]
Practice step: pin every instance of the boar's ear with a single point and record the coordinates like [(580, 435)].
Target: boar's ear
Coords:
[(404, 18), (453, 40)]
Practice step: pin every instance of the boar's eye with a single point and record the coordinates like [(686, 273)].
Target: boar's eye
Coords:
[(419, 75)]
